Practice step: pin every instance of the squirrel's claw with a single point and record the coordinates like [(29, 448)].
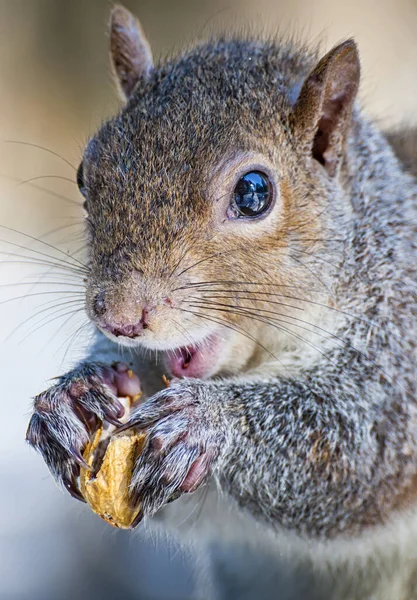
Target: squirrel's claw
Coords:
[(137, 520), (77, 456), (72, 489)]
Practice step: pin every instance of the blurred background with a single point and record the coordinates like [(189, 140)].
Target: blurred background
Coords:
[(55, 89)]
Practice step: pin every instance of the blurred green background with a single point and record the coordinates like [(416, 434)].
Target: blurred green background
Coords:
[(55, 89)]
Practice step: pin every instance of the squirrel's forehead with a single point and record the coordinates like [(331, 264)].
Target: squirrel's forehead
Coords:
[(158, 147), (193, 136)]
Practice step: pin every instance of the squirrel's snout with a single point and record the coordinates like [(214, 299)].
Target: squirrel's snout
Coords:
[(130, 331), (127, 329), (125, 324)]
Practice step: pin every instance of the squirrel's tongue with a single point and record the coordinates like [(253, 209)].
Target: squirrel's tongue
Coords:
[(193, 361)]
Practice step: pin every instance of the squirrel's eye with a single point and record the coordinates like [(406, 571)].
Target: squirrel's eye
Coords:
[(252, 195), (80, 180)]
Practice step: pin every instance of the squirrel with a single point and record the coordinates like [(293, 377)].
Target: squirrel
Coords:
[(250, 225)]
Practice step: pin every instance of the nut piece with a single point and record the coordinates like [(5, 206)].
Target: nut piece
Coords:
[(106, 486)]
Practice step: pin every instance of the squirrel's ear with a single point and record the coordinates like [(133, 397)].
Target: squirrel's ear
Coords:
[(130, 53), (323, 110)]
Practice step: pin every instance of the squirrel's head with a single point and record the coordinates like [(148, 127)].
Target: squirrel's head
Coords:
[(207, 196)]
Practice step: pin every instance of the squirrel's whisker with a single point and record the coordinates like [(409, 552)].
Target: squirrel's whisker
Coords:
[(254, 316), (296, 249), (325, 333), (181, 259), (51, 307), (239, 330), (71, 339), (80, 249), (244, 311), (48, 320), (44, 293), (307, 300), (56, 259), (45, 177), (31, 283), (38, 262), (220, 321), (215, 255), (203, 284), (254, 299), (44, 190), (48, 150), (46, 244), (310, 270), (61, 228)]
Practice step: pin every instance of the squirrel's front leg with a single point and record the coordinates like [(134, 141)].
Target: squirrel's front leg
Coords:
[(291, 454), (186, 433)]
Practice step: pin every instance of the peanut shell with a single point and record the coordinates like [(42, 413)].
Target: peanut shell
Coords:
[(106, 486)]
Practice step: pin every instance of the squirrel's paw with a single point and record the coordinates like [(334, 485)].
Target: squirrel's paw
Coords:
[(67, 413), (184, 438)]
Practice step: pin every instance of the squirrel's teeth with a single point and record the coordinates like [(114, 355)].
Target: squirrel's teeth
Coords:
[(187, 356)]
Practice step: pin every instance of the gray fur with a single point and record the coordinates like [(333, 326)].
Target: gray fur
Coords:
[(330, 451)]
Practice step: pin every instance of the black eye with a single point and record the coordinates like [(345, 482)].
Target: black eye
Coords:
[(252, 195), (80, 180)]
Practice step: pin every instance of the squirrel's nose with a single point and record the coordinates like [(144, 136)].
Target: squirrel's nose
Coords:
[(119, 329), (129, 330)]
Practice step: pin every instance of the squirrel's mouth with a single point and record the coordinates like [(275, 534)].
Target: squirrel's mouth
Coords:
[(198, 361)]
